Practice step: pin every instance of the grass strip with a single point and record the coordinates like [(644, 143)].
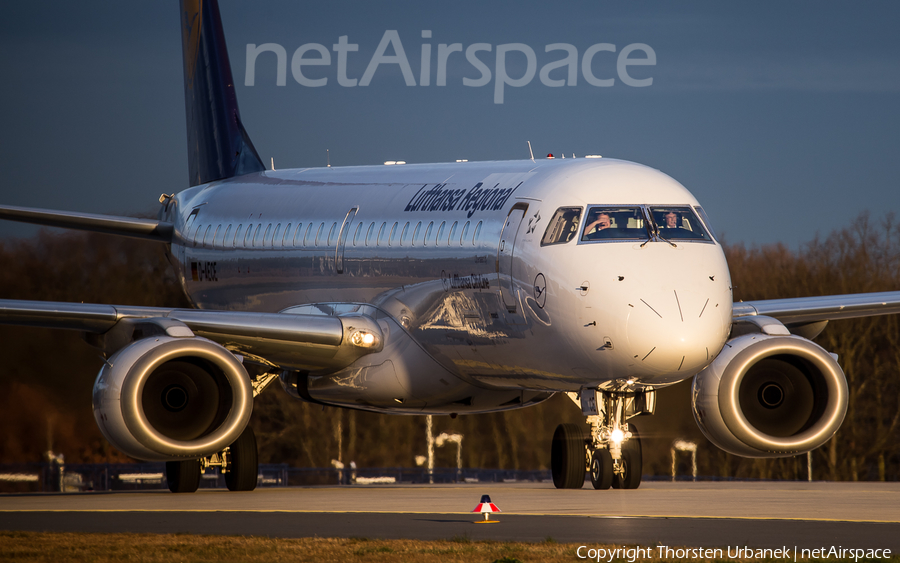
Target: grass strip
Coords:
[(188, 548)]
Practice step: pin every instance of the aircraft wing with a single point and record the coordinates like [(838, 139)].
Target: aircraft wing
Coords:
[(109, 224), (802, 310), (296, 341)]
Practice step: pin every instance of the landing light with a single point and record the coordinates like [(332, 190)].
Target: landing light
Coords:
[(617, 436), (363, 339)]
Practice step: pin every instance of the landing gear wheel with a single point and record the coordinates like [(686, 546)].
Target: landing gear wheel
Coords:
[(567, 456), (632, 459), (243, 466), (601, 469), (183, 476)]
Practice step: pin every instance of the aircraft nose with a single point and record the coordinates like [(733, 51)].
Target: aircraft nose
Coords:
[(674, 332)]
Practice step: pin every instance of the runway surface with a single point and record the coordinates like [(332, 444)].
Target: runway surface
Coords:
[(758, 515)]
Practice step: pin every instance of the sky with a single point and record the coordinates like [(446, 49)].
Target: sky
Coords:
[(781, 117)]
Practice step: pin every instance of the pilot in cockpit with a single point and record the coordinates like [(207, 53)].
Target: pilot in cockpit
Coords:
[(601, 221), (671, 220)]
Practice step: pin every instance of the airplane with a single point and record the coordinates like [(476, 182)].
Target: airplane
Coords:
[(444, 289)]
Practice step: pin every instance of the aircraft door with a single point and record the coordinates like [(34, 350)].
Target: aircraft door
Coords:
[(505, 252), (342, 240), (182, 253)]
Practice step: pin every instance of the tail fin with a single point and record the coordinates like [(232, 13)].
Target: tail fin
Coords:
[(218, 146)]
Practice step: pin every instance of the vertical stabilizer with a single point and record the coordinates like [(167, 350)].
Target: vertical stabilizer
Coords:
[(218, 146)]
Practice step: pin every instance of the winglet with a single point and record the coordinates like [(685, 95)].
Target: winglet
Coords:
[(218, 145)]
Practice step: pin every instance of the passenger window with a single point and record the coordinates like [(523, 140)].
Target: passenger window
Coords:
[(415, 233), (477, 233), (186, 233), (258, 235), (452, 233), (440, 233), (319, 233), (393, 238), (427, 233), (265, 239), (196, 237), (237, 235), (678, 223), (206, 239), (465, 232), (380, 240), (216, 235), (331, 234), (306, 236), (287, 235), (357, 233), (226, 236), (369, 234), (615, 223), (248, 236), (404, 233), (276, 236), (562, 227)]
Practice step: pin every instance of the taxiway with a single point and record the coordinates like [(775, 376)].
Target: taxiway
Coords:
[(709, 514)]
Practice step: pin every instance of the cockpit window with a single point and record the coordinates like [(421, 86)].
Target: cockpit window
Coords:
[(706, 222), (563, 226), (679, 223), (645, 223), (605, 223)]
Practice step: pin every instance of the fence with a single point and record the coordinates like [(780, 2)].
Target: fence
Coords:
[(48, 477)]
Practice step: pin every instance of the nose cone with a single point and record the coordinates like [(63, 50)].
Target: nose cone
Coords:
[(673, 333)]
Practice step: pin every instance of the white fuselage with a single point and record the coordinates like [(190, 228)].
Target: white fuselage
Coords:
[(453, 254)]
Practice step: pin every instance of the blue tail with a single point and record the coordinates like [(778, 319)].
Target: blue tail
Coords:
[(218, 146)]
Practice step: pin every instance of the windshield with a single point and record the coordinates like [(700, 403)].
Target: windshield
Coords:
[(674, 222), (679, 223), (615, 223)]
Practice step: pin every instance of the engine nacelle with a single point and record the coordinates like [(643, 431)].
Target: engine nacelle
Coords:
[(770, 396), (165, 398)]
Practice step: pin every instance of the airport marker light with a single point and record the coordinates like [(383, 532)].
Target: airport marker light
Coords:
[(486, 507)]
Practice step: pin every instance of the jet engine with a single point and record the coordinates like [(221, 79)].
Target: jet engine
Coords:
[(770, 396), (166, 398)]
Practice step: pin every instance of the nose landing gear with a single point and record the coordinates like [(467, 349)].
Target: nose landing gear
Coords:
[(628, 469), (612, 454), (602, 470)]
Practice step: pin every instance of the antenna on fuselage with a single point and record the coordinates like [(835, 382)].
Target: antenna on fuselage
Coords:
[(327, 159), (273, 163), (531, 152)]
